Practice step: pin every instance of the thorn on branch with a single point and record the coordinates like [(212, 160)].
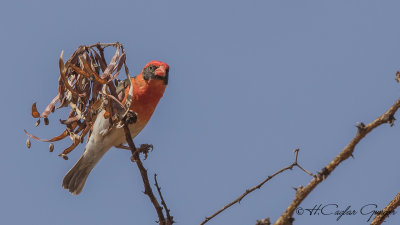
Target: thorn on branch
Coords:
[(360, 126), (297, 154), (398, 77), (323, 174), (265, 221), (391, 120), (298, 189)]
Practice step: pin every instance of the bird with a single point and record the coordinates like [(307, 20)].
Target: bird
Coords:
[(148, 88)]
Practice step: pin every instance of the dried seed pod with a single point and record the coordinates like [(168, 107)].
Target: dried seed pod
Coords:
[(46, 121), (35, 112), (28, 143), (51, 147), (37, 123), (64, 156)]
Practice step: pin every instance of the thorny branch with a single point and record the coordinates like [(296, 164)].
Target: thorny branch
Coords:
[(143, 172), (248, 191), (163, 203), (389, 209), (387, 117)]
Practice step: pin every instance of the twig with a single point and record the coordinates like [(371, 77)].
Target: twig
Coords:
[(389, 209), (248, 191), (363, 130), (147, 188), (170, 219)]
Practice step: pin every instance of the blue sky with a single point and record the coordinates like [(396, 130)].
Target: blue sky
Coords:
[(249, 82)]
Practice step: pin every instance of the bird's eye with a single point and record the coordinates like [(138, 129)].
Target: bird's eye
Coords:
[(152, 67)]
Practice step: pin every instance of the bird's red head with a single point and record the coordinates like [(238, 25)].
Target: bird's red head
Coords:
[(156, 70)]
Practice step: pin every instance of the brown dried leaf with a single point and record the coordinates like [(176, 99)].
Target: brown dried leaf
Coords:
[(81, 93), (95, 106), (90, 71), (101, 61), (64, 77), (119, 66), (71, 147), (57, 138), (114, 99), (85, 131), (79, 70), (71, 120), (111, 67), (129, 98), (50, 107), (35, 112), (63, 103), (80, 128)]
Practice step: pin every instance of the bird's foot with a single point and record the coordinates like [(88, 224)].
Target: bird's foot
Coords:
[(145, 149)]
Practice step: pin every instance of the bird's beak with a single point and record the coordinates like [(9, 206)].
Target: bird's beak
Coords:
[(160, 71)]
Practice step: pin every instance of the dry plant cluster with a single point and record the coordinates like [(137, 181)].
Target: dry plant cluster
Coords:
[(86, 91)]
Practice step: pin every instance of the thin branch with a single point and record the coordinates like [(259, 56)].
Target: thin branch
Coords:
[(306, 171), (389, 209), (296, 164), (169, 217), (147, 188), (248, 191), (363, 130)]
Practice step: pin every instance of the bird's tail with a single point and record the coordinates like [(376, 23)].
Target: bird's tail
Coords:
[(76, 177)]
